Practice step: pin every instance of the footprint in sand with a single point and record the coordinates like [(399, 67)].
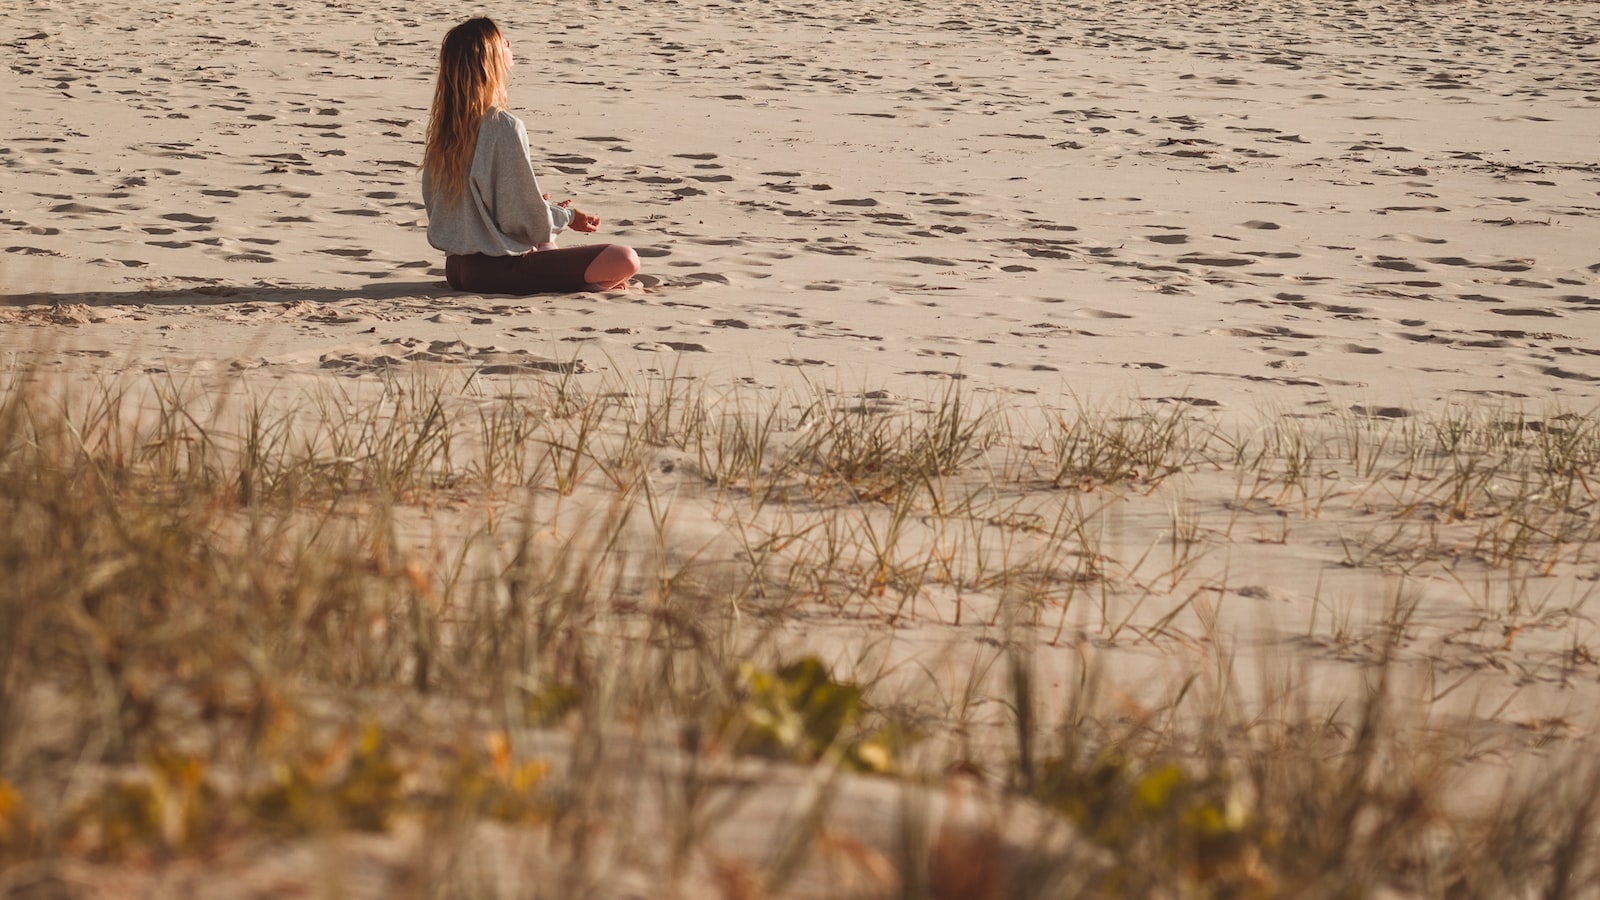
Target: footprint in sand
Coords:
[(1412, 238), (572, 165), (1381, 412), (190, 218), (679, 346), (1527, 311), (73, 210), (1033, 367), (1568, 374)]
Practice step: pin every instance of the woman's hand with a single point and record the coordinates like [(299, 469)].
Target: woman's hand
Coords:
[(581, 221)]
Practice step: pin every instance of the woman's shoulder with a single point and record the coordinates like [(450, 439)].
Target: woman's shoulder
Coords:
[(502, 120)]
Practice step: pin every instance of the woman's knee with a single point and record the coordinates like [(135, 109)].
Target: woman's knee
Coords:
[(613, 266), (630, 259)]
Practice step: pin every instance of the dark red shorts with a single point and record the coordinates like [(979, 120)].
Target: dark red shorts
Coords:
[(558, 271)]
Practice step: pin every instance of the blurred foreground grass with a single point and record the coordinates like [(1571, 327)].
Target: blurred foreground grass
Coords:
[(554, 640)]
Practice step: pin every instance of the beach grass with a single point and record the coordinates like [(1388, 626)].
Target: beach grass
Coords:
[(580, 625)]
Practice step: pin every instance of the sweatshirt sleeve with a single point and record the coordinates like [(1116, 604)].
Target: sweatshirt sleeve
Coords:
[(560, 217), (516, 202)]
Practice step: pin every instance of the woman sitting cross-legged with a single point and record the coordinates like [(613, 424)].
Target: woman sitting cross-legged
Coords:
[(485, 209)]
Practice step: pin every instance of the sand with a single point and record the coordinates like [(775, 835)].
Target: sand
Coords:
[(1377, 210), (1298, 209)]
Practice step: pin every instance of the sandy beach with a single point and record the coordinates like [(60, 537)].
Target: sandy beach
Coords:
[(1279, 222), (1303, 209)]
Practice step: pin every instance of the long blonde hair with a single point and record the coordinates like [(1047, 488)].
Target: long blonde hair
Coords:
[(472, 81)]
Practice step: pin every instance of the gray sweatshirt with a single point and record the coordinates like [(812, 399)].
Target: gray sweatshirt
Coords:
[(501, 212)]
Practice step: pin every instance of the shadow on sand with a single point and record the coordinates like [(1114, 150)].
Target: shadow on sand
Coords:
[(219, 293)]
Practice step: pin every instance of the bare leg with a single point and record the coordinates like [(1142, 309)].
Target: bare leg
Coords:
[(612, 268)]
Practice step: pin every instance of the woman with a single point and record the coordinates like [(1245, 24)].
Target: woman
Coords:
[(485, 209)]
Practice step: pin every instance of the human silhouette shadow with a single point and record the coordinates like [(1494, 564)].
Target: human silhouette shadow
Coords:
[(216, 294)]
